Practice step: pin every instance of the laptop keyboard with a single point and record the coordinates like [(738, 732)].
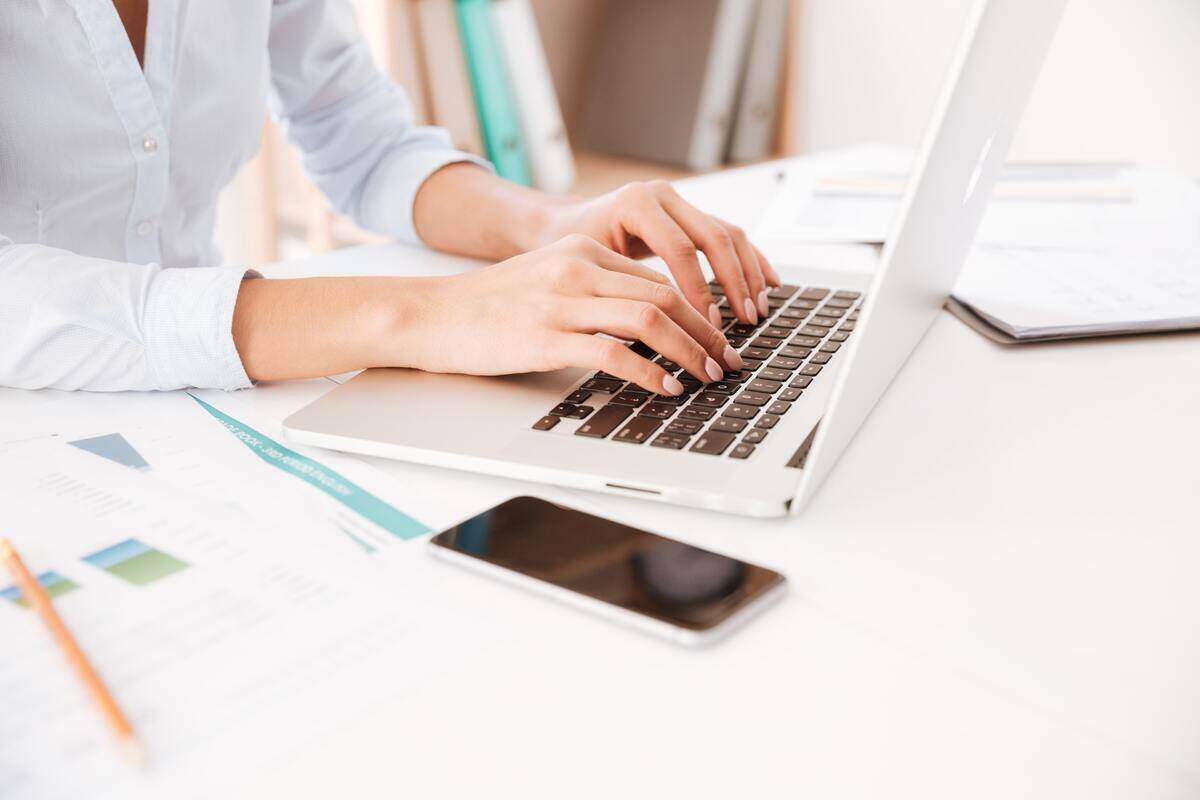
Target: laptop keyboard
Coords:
[(784, 353)]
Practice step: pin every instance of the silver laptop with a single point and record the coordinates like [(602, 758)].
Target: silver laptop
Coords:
[(761, 441)]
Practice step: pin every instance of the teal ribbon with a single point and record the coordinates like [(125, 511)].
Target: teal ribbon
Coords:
[(345, 491)]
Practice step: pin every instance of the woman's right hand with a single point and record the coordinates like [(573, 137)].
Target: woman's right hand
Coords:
[(538, 312)]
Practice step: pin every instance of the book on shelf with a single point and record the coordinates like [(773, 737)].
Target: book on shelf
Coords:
[(494, 99), (754, 126), (447, 82), (542, 128), (666, 78)]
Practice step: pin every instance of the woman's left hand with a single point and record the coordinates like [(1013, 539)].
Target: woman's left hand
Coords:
[(642, 219)]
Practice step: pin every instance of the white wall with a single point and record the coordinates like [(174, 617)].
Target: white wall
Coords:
[(1122, 79)]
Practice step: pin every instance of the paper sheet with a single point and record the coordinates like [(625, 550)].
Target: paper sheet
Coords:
[(228, 641)]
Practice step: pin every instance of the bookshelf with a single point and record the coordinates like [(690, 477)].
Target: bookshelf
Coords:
[(285, 206)]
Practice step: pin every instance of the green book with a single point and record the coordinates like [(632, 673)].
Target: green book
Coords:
[(497, 108)]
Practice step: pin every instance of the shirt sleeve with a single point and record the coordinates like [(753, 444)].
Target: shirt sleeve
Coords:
[(354, 127), (72, 322)]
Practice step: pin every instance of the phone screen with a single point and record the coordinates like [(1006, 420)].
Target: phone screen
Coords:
[(630, 568)]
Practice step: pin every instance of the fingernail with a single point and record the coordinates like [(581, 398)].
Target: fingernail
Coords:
[(763, 308), (714, 316), (750, 312), (672, 386), (733, 359), (713, 369)]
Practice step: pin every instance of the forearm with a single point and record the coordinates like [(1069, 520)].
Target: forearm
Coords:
[(311, 327), (466, 210)]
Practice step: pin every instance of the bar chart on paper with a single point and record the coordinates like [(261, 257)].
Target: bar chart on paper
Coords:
[(115, 448), (55, 585), (136, 562)]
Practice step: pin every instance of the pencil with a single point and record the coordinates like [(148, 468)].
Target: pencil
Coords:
[(39, 601)]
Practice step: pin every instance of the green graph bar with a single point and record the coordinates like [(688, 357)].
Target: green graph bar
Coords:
[(54, 584), (136, 562)]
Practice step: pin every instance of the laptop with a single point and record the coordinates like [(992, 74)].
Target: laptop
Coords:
[(760, 441)]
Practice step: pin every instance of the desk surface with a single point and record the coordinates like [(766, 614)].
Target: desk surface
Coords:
[(996, 594)]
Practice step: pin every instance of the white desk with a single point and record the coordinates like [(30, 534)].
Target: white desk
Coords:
[(996, 594)]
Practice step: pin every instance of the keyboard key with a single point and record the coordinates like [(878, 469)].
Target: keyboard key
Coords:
[(853, 314), (830, 347), (638, 430), (767, 421), (690, 383), (737, 411), (811, 370), (670, 400), (838, 337), (773, 332), (742, 329), (779, 408), (697, 412), (821, 358), (791, 312), (823, 322), (728, 425), (606, 376), (783, 291), (604, 421), (712, 443), (710, 399), (671, 441), (765, 343), (764, 386), (785, 322), (685, 427), (628, 398), (667, 364), (774, 304), (602, 385), (753, 399), (839, 302), (813, 330), (743, 450), (846, 327), (571, 410), (791, 351), (545, 423), (739, 376), (814, 293), (804, 305), (735, 341), (752, 364), (577, 397), (800, 382), (790, 395), (805, 341), (826, 311), (754, 351), (642, 349), (785, 363), (754, 436), (722, 387), (658, 410), (845, 295), (773, 374)]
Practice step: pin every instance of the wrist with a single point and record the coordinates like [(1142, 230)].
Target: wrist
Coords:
[(399, 321)]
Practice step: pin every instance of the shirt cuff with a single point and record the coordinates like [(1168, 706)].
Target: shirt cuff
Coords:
[(388, 199), (188, 328)]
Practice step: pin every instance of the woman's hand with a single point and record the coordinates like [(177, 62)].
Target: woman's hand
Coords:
[(537, 312), (641, 219)]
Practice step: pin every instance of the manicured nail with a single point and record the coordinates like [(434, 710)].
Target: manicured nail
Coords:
[(713, 369), (672, 386), (750, 312), (714, 316), (763, 308), (733, 359)]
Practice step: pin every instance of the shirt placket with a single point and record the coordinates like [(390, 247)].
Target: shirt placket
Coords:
[(142, 101)]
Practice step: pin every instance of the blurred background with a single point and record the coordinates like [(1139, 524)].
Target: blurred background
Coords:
[(586, 95)]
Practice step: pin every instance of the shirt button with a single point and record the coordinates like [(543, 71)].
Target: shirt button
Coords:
[(145, 227), (150, 145)]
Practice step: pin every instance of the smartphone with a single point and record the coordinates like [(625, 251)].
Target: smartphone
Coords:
[(690, 596)]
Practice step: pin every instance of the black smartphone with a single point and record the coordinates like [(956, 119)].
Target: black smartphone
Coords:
[(691, 596)]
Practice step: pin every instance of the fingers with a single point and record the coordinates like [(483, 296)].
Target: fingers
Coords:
[(631, 319), (651, 223), (729, 252), (671, 303), (613, 357), (593, 251)]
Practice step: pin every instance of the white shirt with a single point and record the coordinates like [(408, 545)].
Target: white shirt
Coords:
[(108, 172)]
